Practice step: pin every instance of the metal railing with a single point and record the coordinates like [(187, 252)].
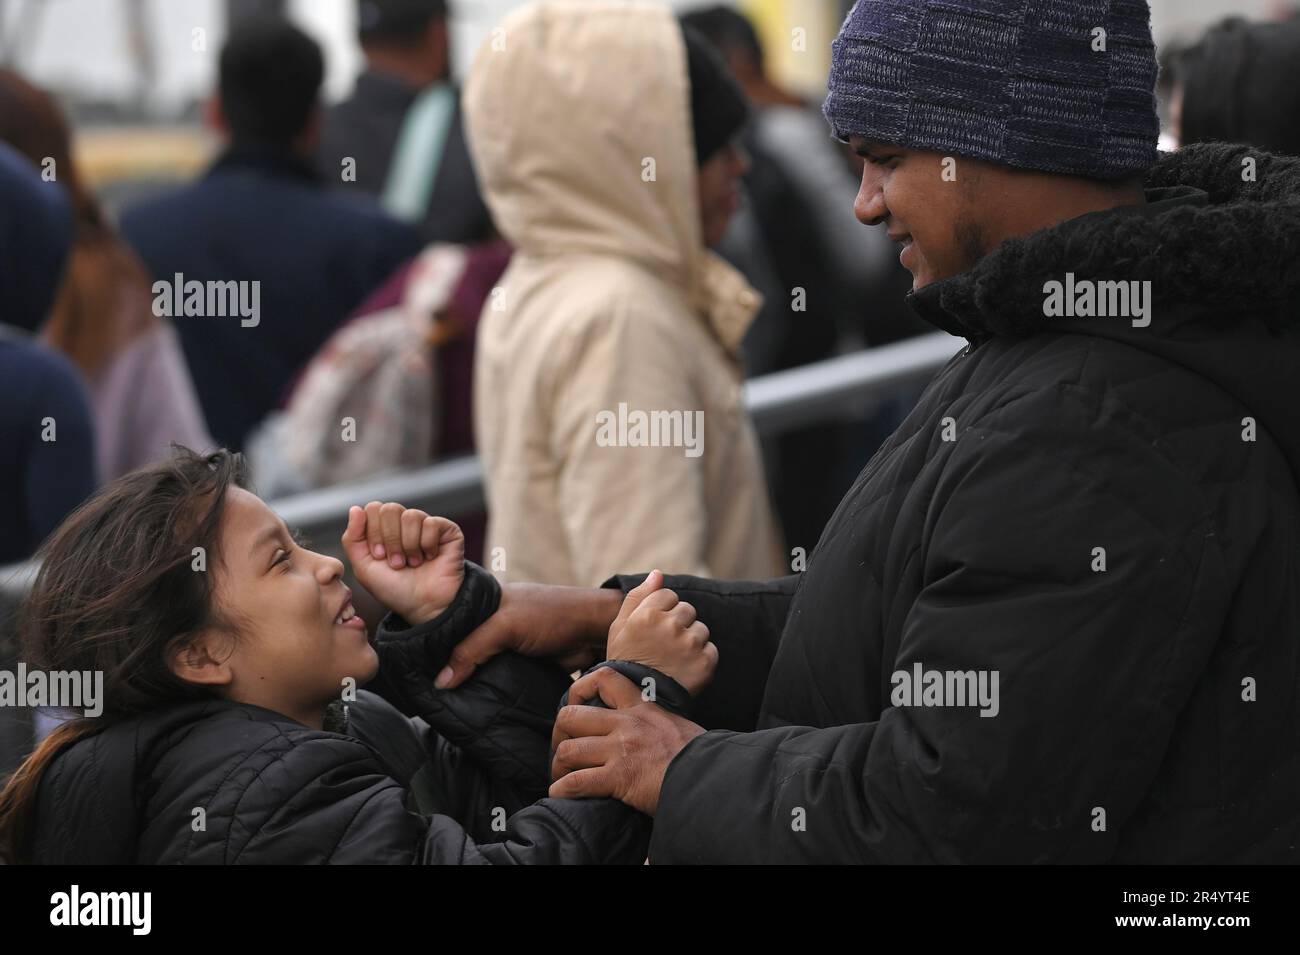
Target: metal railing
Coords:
[(780, 402)]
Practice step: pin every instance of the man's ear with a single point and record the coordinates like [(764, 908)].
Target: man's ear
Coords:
[(202, 658)]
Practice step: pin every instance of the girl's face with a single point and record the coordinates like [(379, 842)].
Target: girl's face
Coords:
[(292, 653)]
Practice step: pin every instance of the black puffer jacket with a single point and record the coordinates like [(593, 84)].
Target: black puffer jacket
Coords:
[(382, 789), (1148, 711)]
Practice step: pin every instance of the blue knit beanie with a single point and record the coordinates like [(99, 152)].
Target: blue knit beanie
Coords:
[(1033, 84)]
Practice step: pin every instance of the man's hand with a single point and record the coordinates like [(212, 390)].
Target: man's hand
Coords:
[(658, 630), (410, 561), (567, 624), (621, 752)]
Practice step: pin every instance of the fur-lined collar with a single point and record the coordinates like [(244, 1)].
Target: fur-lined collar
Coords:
[(1239, 251)]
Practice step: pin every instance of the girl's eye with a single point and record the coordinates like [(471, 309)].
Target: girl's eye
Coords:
[(282, 556)]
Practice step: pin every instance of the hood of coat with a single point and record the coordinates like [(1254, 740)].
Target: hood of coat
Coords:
[(578, 120), (1219, 245)]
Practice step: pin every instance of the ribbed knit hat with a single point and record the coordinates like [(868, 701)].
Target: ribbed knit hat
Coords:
[(1033, 84)]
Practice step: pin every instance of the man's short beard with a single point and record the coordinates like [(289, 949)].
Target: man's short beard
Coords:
[(971, 244)]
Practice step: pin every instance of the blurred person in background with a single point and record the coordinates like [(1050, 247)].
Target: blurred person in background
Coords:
[(606, 148), (402, 368), (1240, 84), (792, 134), (102, 318), (262, 218), (402, 125), (797, 231), (46, 428), (776, 240)]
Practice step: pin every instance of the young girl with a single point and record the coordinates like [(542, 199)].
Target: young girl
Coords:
[(232, 731)]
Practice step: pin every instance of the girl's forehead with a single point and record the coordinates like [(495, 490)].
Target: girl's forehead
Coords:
[(247, 524)]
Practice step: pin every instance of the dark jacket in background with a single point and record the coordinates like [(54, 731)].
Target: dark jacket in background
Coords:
[(1161, 690), (777, 242), (465, 786), (35, 238), (40, 480), (366, 128), (261, 216)]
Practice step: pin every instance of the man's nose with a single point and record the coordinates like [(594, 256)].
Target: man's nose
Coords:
[(870, 206)]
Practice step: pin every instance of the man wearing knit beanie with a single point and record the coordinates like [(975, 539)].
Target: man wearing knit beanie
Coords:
[(1025, 114), (1054, 619)]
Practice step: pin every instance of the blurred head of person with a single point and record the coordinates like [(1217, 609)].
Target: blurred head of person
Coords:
[(719, 113), (955, 164), (268, 89), (180, 585), (35, 238), (407, 39), (584, 96), (102, 299), (730, 32), (1240, 84)]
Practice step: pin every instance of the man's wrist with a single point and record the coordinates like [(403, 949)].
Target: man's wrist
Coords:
[(603, 609)]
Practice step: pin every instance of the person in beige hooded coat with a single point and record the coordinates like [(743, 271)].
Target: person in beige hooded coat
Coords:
[(579, 121)]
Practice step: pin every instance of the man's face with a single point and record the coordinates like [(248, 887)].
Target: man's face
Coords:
[(927, 203)]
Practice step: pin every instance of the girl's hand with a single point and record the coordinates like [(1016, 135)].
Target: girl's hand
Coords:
[(656, 629), (409, 561)]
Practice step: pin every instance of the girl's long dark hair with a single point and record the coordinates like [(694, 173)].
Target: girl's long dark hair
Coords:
[(120, 585)]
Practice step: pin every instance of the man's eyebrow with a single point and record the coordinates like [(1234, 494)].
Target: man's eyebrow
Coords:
[(867, 146)]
